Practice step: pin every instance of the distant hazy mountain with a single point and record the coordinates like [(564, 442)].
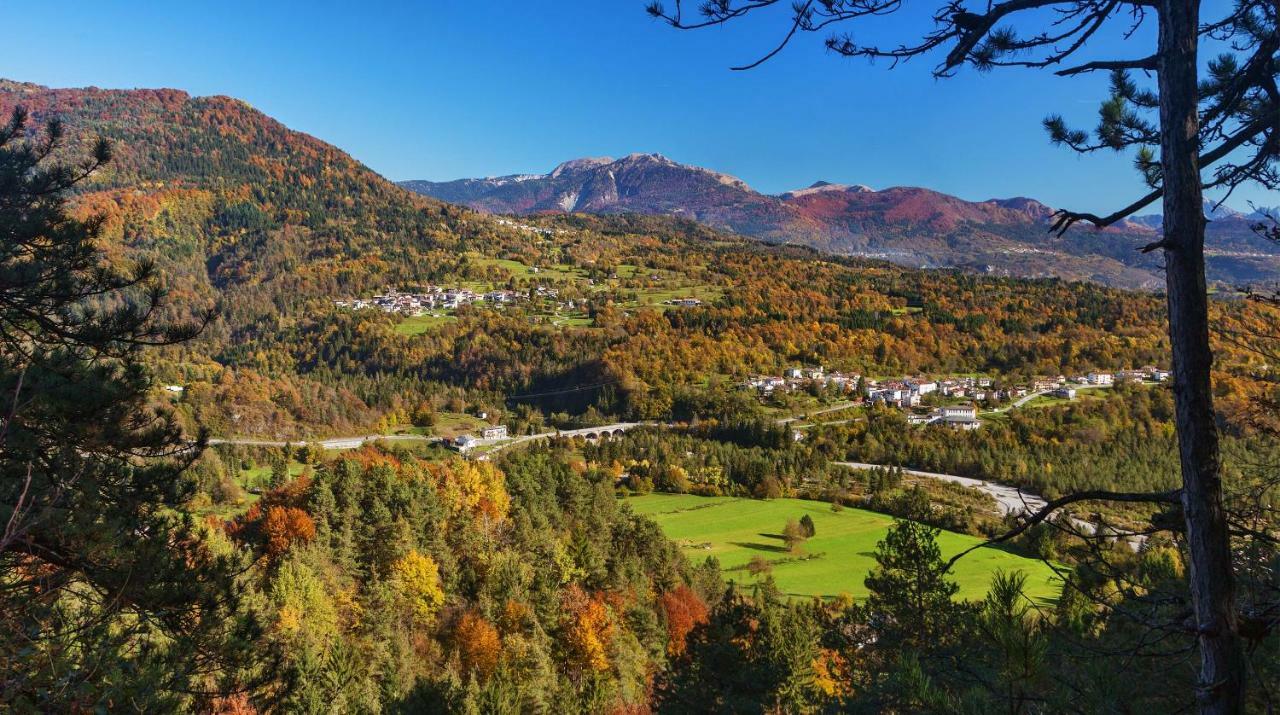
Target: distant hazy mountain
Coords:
[(1212, 211), (908, 225)]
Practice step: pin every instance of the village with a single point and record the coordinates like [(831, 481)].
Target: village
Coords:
[(441, 298), (950, 401)]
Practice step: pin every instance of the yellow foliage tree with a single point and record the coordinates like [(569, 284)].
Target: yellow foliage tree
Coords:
[(417, 580), (589, 630), (831, 674), (476, 487)]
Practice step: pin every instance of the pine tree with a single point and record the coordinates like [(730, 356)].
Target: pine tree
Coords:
[(910, 592), (95, 560)]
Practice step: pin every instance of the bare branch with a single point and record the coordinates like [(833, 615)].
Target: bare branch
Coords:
[(1146, 63)]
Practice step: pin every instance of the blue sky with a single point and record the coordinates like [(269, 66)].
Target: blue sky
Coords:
[(451, 88)]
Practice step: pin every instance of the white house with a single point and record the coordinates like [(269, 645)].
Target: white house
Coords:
[(962, 423), (466, 442), (495, 432), (959, 412), (960, 416), (1100, 378)]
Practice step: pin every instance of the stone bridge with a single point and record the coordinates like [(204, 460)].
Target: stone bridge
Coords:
[(591, 434)]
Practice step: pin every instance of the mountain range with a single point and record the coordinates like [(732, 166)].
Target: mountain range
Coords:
[(908, 225), (236, 203)]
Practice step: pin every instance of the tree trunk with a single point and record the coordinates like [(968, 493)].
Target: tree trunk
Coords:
[(1222, 678)]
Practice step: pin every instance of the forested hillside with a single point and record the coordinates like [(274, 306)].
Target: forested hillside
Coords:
[(271, 226)]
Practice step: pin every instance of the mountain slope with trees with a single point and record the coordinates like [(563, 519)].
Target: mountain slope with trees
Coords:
[(907, 225)]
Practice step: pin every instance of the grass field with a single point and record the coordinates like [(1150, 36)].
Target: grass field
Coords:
[(419, 324), (840, 554), (259, 476), (455, 424), (520, 270), (653, 297)]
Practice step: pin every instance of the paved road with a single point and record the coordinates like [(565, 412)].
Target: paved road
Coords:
[(1027, 398), (823, 411), (331, 443), (361, 440), (807, 425), (1024, 400), (1010, 500)]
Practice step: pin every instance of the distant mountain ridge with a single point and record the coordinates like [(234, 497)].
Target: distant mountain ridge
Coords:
[(909, 225)]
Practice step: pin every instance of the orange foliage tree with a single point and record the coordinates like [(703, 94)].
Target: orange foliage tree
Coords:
[(684, 610), (283, 526), (478, 644)]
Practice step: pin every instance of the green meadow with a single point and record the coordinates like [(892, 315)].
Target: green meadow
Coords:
[(834, 562)]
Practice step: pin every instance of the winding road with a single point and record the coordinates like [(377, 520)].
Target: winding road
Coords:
[(1010, 500), (812, 413)]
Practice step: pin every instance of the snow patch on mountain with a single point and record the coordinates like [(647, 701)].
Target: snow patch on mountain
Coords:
[(824, 186)]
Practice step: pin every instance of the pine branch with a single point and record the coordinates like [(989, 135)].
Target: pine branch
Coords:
[(1169, 497)]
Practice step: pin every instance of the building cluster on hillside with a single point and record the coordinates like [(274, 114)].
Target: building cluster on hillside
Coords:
[(438, 297), (489, 435), (908, 393), (525, 227), (683, 302), (1102, 379), (798, 378)]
